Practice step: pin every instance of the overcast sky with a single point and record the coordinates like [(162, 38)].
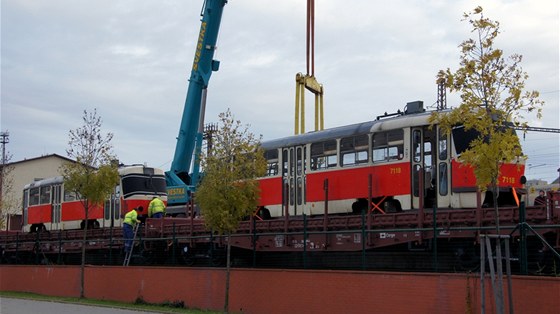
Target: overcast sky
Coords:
[(131, 60)]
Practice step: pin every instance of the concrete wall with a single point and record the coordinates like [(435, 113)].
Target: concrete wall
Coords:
[(285, 291)]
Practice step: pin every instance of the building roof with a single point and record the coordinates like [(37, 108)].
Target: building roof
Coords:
[(42, 157)]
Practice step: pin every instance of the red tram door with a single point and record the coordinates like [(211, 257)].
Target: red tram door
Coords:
[(293, 178)]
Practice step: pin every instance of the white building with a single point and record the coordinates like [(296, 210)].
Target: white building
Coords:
[(24, 172)]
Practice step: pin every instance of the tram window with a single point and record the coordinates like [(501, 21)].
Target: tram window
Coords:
[(323, 155), (69, 196), (330, 145), (45, 195), (416, 180), (380, 139), (442, 179), (442, 146), (379, 154), (292, 191), (34, 196), (299, 161), (272, 169), (393, 152), (300, 191), (349, 159), (285, 162), (354, 158), (332, 161), (463, 138), (138, 184), (353, 150), (271, 154), (362, 156), (395, 135), (107, 210), (416, 140), (388, 145)]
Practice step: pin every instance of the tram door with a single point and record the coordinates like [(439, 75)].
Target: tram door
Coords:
[(294, 159), (112, 210), (25, 206), (56, 205), (423, 167), (443, 170)]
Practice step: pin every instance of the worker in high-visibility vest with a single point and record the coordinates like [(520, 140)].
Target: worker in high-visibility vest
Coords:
[(156, 209), (130, 221)]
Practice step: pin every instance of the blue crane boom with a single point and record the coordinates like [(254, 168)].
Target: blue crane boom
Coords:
[(181, 179)]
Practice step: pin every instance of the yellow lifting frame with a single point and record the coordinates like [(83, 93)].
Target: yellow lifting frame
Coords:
[(309, 82)]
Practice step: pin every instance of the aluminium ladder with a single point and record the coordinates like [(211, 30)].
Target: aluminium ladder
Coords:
[(129, 253)]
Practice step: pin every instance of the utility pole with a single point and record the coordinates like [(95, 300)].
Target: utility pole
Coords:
[(441, 95), (4, 139)]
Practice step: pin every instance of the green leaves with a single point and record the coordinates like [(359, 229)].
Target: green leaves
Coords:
[(229, 191), (492, 93)]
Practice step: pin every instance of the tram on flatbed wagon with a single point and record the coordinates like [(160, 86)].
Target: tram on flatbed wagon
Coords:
[(47, 205), (379, 194), (399, 162)]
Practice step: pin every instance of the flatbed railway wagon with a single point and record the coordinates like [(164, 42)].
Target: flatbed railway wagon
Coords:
[(342, 197)]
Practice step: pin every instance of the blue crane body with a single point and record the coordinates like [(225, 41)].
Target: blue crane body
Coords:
[(181, 179)]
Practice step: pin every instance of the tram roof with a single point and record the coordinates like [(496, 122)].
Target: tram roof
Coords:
[(44, 182), (391, 123)]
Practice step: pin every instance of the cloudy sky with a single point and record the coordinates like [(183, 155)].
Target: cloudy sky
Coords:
[(131, 59)]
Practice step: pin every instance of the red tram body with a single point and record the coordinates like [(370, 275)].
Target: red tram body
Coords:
[(48, 206), (388, 160)]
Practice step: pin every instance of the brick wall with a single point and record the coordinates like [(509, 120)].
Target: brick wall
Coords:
[(285, 291)]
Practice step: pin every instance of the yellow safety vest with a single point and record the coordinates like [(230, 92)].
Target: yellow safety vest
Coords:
[(156, 206), (131, 218)]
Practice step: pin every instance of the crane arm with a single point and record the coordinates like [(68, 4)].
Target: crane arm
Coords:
[(190, 133)]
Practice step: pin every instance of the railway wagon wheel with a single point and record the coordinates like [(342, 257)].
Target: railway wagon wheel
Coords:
[(187, 255)]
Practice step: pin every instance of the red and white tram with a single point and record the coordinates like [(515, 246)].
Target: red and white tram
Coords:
[(48, 206), (397, 161)]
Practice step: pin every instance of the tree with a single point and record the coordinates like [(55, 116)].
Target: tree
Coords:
[(8, 204), (492, 100), (229, 190), (94, 175)]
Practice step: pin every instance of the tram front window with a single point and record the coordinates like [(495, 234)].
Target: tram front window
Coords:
[(139, 184)]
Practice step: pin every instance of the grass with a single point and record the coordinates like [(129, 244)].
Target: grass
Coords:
[(139, 305)]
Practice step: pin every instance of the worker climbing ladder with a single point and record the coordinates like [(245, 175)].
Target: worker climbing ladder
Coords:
[(129, 253)]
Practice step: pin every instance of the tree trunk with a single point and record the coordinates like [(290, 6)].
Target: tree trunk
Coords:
[(499, 286), (83, 265), (228, 256)]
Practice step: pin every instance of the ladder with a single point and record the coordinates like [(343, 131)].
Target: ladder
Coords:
[(129, 253)]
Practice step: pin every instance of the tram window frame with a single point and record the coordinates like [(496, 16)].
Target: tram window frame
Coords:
[(354, 150), (324, 155), (45, 195), (34, 196), (387, 146), (271, 157), (70, 196)]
